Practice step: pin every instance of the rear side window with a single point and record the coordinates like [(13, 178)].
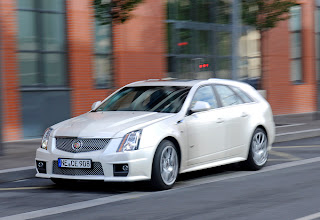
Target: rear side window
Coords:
[(242, 94), (227, 96)]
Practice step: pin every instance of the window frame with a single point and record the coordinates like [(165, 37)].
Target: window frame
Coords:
[(41, 52), (235, 93), (106, 55), (215, 96), (298, 58), (195, 26), (241, 90)]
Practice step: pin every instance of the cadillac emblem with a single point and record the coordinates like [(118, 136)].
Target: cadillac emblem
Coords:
[(77, 145)]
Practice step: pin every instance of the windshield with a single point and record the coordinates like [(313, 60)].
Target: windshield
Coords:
[(165, 99)]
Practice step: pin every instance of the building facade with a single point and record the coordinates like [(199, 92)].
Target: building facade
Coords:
[(56, 59), (291, 61)]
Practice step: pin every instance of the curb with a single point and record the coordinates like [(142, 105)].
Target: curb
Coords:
[(15, 174)]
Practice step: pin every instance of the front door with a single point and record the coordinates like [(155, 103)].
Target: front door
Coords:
[(206, 130)]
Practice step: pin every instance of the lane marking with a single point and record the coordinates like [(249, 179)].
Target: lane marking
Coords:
[(285, 126), (17, 169), (284, 155), (135, 195), (76, 206), (280, 160), (26, 188), (281, 166), (284, 147), (297, 132), (310, 217), (19, 181)]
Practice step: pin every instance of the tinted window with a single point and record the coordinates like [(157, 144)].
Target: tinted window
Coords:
[(205, 94), (147, 98), (242, 94), (227, 96)]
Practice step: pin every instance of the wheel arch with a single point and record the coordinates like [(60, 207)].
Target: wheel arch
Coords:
[(251, 136), (176, 144), (263, 128)]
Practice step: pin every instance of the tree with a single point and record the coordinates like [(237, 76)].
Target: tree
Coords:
[(115, 11), (264, 15)]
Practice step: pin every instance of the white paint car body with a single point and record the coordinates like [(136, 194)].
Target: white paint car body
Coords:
[(204, 139)]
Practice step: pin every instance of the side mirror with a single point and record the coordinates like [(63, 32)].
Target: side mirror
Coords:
[(95, 105), (200, 106)]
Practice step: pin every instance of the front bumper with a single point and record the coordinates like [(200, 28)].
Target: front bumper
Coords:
[(139, 162)]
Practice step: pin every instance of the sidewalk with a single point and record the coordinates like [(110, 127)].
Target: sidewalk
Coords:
[(18, 159)]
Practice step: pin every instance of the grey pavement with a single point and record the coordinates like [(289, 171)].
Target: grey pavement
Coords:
[(17, 161)]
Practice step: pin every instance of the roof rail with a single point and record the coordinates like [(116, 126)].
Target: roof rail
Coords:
[(168, 78)]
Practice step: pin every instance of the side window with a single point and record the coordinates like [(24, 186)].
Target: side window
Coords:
[(242, 94), (205, 94), (227, 96)]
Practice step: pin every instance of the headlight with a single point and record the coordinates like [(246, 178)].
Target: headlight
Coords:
[(130, 141), (45, 139)]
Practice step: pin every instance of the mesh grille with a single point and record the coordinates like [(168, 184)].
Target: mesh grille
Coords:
[(84, 145), (96, 170)]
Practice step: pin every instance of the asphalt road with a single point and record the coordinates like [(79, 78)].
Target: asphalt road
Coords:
[(287, 188)]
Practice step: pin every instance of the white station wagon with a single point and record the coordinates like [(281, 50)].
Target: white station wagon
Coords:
[(156, 129)]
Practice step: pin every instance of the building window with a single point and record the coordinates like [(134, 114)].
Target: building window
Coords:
[(296, 46), (102, 55), (199, 38), (42, 43)]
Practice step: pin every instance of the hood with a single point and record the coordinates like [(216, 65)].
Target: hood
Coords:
[(107, 124)]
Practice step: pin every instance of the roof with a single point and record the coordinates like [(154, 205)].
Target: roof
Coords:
[(181, 82)]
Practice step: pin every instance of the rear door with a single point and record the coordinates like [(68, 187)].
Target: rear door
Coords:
[(236, 120)]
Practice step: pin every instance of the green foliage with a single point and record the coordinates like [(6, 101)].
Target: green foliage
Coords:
[(265, 14), (116, 11)]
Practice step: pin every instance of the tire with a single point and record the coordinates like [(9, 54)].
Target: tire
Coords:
[(165, 166), (258, 152)]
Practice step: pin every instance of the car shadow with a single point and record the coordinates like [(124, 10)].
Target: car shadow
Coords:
[(140, 186)]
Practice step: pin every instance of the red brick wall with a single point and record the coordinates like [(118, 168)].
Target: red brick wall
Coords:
[(80, 50), (283, 95), (139, 50), (139, 44), (9, 68)]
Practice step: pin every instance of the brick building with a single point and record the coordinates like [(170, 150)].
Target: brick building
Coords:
[(291, 61), (56, 61)]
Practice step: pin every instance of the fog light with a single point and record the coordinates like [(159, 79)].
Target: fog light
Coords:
[(41, 166), (125, 168), (120, 169)]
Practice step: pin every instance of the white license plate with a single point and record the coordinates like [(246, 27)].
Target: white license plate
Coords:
[(71, 163)]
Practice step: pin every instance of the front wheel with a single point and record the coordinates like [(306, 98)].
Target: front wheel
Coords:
[(165, 166), (258, 152)]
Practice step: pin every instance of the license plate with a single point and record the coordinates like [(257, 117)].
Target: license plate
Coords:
[(71, 163)]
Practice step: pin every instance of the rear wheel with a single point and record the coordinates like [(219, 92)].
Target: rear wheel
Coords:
[(165, 166), (258, 152)]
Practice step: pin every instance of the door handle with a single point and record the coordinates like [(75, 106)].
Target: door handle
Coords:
[(244, 114), (220, 120)]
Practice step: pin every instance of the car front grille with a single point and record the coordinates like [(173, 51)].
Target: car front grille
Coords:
[(80, 145), (96, 170)]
